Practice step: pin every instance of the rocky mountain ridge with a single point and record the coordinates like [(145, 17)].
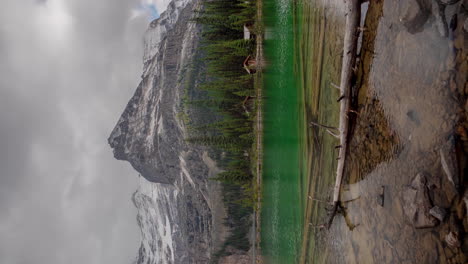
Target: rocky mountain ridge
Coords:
[(177, 202)]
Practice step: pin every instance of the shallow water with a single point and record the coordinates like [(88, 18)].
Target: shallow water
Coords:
[(282, 188), (410, 96)]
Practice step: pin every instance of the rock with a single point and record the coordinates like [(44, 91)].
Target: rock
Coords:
[(438, 10), (417, 204), (419, 181), (381, 197), (413, 15), (452, 239), (438, 213), (448, 163), (465, 25), (413, 116), (434, 182)]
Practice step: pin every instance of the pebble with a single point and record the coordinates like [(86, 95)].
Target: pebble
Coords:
[(381, 197), (413, 116), (419, 181), (452, 240)]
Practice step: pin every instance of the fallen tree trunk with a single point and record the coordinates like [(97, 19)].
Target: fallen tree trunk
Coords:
[(353, 17)]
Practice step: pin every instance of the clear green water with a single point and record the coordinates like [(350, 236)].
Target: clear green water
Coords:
[(282, 203)]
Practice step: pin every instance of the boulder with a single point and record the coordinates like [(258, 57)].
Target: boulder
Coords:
[(414, 14), (452, 239), (438, 213), (417, 204)]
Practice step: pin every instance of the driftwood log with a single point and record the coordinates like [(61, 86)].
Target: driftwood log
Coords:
[(353, 17)]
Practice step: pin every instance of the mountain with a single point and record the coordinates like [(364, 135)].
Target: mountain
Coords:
[(148, 134), (180, 210)]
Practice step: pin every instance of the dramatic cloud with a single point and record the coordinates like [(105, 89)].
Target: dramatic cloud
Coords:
[(67, 71)]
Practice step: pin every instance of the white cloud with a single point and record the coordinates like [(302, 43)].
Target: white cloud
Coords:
[(68, 68), (53, 20)]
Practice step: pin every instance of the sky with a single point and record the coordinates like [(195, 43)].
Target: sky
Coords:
[(67, 70)]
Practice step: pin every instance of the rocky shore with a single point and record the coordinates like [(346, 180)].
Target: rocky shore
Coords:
[(413, 144)]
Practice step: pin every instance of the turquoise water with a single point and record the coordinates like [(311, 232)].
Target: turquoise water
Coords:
[(282, 207)]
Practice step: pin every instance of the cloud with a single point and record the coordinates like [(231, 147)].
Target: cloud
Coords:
[(53, 16), (66, 74)]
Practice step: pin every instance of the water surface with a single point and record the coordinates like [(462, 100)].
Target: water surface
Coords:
[(282, 202)]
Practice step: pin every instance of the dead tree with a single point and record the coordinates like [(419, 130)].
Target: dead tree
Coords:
[(353, 16)]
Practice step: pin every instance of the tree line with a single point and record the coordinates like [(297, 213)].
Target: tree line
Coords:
[(227, 87)]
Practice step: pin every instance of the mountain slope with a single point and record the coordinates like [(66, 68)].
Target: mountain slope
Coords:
[(177, 202)]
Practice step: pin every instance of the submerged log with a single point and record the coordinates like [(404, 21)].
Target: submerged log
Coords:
[(353, 16)]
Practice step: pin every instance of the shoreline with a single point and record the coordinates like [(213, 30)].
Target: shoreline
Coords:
[(258, 128)]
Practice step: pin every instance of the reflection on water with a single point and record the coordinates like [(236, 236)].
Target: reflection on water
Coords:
[(410, 99), (281, 202)]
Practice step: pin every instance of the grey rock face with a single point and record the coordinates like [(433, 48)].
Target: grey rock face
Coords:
[(176, 225)]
